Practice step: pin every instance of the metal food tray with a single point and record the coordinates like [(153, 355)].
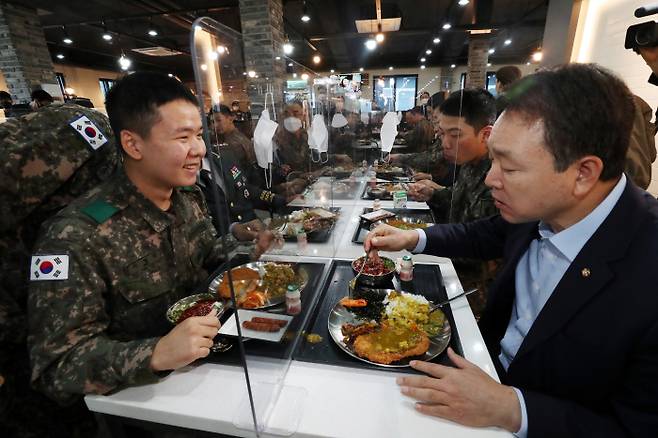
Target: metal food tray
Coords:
[(400, 213), (335, 287), (255, 347), (318, 236)]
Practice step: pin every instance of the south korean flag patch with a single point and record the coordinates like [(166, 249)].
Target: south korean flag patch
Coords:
[(49, 267), (89, 132)]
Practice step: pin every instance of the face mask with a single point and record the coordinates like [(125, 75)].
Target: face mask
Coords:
[(424, 101), (292, 124), (265, 129), (338, 121)]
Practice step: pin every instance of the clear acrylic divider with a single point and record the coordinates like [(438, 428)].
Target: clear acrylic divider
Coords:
[(259, 288)]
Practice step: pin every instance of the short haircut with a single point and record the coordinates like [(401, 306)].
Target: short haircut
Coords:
[(585, 110), (416, 110), (424, 93), (133, 102), (476, 106), (437, 99), (42, 96), (224, 110), (508, 74), (5, 95)]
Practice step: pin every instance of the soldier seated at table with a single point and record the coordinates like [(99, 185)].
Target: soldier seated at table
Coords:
[(431, 164), (50, 157), (223, 132), (107, 267), (239, 193), (420, 134), (465, 122)]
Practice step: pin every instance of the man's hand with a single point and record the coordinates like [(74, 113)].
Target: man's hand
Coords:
[(247, 231), (650, 56), (388, 238), (419, 176), (264, 242), (466, 395), (187, 342), (422, 191)]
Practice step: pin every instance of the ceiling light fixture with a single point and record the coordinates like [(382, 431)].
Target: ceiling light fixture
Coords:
[(124, 62), (422, 67), (294, 75), (463, 2), (66, 39), (332, 70), (278, 58), (428, 52), (488, 64), (508, 42), (423, 59), (290, 64), (305, 17), (204, 67), (452, 66), (107, 36), (447, 26), (317, 59), (360, 68), (152, 30), (371, 44), (221, 50), (379, 37), (436, 40), (390, 67), (305, 76), (492, 51), (288, 48), (60, 56), (537, 56), (252, 74)]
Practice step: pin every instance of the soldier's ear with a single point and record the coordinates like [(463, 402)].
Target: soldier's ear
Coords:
[(131, 144)]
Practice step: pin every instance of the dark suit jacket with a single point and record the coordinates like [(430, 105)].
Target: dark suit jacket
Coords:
[(589, 364)]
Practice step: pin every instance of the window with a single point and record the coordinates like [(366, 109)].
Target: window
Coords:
[(491, 82), (61, 81), (396, 93), (106, 85)]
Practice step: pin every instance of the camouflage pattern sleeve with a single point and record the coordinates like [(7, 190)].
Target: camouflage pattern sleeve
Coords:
[(440, 204), (70, 351)]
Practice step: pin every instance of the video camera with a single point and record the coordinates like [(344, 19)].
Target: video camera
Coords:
[(643, 34)]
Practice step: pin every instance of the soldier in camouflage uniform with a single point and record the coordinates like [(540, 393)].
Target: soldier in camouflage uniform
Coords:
[(466, 119), (133, 246), (48, 158)]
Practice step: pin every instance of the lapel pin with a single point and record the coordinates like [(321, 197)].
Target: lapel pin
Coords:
[(585, 272)]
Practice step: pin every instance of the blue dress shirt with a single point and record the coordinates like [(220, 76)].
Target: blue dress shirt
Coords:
[(537, 274)]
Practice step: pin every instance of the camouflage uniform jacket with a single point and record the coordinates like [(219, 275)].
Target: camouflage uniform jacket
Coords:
[(45, 163), (240, 147), (128, 262), (432, 162), (468, 199), (292, 149)]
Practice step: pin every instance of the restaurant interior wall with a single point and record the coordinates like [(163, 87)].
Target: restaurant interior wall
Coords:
[(600, 38), (85, 82), (453, 75)]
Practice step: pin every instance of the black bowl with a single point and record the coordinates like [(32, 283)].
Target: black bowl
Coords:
[(375, 280)]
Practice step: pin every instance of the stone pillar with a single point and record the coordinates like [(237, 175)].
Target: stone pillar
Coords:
[(560, 31), (478, 56), (24, 58), (263, 36)]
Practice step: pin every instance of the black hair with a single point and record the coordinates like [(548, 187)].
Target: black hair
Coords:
[(223, 109), (417, 110), (585, 110), (423, 93), (5, 97), (42, 96), (437, 99), (507, 75), (476, 106), (133, 102)]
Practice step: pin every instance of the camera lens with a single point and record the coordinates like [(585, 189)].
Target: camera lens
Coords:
[(642, 38)]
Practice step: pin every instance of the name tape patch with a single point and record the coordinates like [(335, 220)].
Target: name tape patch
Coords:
[(49, 267)]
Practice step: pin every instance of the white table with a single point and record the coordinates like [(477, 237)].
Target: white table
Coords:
[(339, 401)]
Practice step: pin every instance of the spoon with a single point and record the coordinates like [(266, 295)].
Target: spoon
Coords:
[(352, 283)]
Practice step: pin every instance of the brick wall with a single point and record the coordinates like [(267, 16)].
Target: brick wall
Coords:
[(263, 37), (24, 58)]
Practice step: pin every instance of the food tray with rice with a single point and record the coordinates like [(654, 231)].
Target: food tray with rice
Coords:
[(405, 218), (318, 223), (427, 279), (264, 347), (383, 191), (390, 172)]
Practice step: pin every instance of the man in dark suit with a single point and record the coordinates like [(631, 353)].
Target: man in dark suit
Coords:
[(572, 319)]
